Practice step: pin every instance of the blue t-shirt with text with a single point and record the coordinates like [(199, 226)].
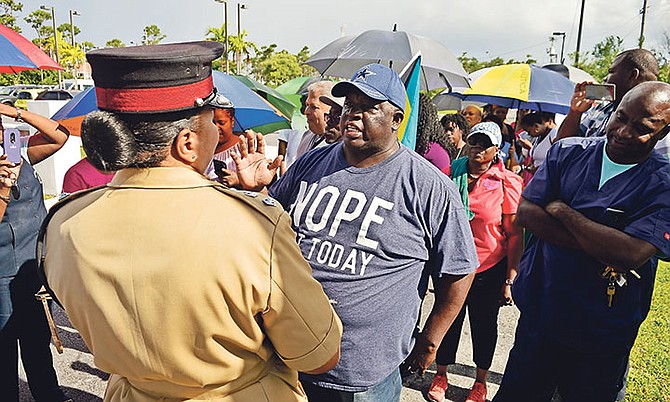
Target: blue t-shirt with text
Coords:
[(373, 236)]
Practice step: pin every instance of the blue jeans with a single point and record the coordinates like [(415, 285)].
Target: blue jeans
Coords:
[(22, 321), (386, 391)]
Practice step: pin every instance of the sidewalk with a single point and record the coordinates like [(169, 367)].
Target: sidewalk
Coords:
[(83, 382)]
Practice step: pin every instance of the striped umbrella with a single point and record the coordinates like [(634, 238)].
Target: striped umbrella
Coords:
[(19, 54), (522, 86)]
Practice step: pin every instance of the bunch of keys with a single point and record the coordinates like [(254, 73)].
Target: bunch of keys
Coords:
[(615, 278)]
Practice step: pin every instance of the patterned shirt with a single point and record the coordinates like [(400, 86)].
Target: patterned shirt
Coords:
[(595, 120)]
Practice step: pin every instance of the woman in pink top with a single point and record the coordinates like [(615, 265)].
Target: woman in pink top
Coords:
[(491, 195), (83, 175)]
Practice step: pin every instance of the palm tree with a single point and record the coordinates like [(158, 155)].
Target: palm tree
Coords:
[(72, 57), (240, 46), (219, 35)]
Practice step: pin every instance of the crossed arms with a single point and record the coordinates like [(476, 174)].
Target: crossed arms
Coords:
[(561, 225)]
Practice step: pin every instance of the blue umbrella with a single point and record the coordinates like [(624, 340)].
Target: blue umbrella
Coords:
[(522, 86), (251, 110)]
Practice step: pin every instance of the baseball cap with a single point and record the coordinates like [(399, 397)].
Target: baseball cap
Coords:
[(156, 78), (490, 129), (331, 100), (376, 81)]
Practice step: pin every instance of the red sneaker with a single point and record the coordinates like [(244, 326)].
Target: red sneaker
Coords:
[(477, 393), (438, 388)]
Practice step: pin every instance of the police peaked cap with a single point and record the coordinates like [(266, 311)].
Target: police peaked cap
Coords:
[(154, 78)]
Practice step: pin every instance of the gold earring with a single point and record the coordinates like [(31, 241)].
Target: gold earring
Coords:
[(194, 157)]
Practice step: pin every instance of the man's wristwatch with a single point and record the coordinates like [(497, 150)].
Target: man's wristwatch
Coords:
[(509, 282), (18, 116)]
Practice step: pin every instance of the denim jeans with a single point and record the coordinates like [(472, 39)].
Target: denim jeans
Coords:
[(23, 322), (386, 391)]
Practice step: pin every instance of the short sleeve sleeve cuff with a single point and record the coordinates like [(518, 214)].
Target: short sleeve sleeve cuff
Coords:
[(322, 353)]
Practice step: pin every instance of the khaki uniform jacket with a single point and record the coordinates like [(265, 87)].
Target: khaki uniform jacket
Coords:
[(188, 292)]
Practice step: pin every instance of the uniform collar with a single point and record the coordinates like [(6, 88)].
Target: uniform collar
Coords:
[(159, 177)]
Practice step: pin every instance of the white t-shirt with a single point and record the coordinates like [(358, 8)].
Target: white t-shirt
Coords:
[(292, 139), (539, 150)]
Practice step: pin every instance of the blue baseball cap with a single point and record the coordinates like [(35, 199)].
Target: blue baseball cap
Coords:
[(376, 81)]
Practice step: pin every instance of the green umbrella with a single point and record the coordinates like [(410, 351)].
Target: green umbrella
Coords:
[(279, 101), (295, 88)]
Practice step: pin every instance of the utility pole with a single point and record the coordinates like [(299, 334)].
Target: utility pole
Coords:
[(579, 34), (240, 6), (225, 22), (53, 20), (552, 51), (644, 16), (72, 14)]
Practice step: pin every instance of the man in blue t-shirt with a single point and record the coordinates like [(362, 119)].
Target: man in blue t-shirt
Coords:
[(599, 211), (375, 221)]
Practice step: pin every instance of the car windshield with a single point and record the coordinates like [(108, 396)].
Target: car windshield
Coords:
[(6, 91)]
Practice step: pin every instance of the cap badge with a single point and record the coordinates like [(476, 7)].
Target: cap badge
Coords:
[(363, 74)]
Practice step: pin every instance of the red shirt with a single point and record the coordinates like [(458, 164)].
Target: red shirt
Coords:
[(496, 192)]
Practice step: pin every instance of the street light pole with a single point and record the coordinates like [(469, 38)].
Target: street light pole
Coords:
[(579, 34), (643, 11), (562, 35), (72, 14), (53, 19), (240, 6), (225, 20)]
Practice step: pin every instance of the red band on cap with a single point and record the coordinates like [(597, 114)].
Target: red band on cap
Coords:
[(145, 100)]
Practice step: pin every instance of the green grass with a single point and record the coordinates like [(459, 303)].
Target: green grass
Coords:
[(649, 378)]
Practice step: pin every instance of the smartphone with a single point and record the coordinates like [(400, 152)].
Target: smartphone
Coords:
[(601, 92), (11, 144)]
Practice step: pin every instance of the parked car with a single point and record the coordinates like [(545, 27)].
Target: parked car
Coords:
[(25, 95), (56, 94), (9, 95)]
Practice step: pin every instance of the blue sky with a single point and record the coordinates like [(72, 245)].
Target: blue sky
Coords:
[(482, 28)]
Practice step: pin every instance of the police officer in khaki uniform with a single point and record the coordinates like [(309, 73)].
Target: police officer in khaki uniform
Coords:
[(182, 289)]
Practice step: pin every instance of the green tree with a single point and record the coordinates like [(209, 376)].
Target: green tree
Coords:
[(603, 54), (241, 47), (218, 35), (71, 57), (471, 64), (86, 46), (152, 35), (7, 18), (302, 56), (37, 19), (67, 32), (115, 43), (279, 68), (264, 53)]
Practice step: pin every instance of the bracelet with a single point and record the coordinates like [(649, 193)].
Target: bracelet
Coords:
[(5, 198), (18, 116), (509, 282)]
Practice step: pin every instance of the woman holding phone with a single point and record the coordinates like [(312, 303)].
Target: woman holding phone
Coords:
[(22, 210)]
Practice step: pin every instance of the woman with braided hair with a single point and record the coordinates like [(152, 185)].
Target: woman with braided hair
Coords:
[(432, 142)]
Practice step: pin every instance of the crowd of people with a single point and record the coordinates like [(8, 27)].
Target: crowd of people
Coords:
[(195, 268)]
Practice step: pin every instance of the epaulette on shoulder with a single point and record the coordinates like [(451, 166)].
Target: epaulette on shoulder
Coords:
[(263, 203)]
